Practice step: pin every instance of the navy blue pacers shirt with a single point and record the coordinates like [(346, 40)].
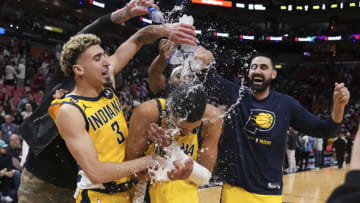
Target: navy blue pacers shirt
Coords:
[(252, 146)]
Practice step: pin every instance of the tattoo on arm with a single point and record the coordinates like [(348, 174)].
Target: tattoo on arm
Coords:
[(120, 16), (150, 33)]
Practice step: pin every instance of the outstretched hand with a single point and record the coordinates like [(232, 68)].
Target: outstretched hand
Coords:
[(181, 33), (204, 55), (181, 173), (157, 135), (140, 7), (166, 48), (60, 93), (341, 95)]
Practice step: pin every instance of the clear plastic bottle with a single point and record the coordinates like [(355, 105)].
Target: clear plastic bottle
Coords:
[(156, 15), (187, 48)]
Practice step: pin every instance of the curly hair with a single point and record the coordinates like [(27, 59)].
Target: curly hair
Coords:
[(73, 48)]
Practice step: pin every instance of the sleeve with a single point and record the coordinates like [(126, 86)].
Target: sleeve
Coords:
[(349, 191), (99, 26), (9, 163), (220, 90), (306, 122)]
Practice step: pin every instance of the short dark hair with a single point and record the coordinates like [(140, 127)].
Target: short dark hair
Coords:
[(267, 55), (188, 102)]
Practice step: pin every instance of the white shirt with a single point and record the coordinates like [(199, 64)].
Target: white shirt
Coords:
[(25, 114), (9, 72), (21, 74)]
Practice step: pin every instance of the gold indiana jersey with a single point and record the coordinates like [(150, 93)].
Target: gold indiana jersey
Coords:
[(178, 191), (105, 124)]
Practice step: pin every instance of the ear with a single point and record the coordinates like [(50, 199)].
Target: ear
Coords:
[(78, 70), (273, 74)]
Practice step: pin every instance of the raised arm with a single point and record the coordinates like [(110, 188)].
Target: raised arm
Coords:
[(178, 33), (107, 22), (341, 99), (83, 150), (157, 67)]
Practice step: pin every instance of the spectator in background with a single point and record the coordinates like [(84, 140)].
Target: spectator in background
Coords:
[(339, 145), (349, 145), (28, 99), (6, 104), (43, 70), (2, 114), (18, 119), (20, 73), (28, 111), (15, 151), (318, 147), (8, 128), (306, 144), (291, 150), (10, 73), (6, 172)]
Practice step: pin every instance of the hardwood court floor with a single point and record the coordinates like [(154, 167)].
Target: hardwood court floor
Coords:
[(312, 186), (303, 187)]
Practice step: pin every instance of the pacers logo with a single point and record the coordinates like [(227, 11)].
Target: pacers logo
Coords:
[(260, 120), (264, 120)]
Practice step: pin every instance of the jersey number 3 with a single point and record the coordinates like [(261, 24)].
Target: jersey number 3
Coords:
[(116, 128)]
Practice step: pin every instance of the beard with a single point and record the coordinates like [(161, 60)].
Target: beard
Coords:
[(108, 82), (259, 88)]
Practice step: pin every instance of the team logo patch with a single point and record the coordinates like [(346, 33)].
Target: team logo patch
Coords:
[(86, 107), (260, 120), (108, 93)]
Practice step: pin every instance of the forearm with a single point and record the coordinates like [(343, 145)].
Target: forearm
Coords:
[(111, 171), (337, 114), (151, 33), (155, 72), (106, 23)]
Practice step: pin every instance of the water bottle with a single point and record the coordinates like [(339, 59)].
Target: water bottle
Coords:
[(176, 57), (187, 48), (156, 15)]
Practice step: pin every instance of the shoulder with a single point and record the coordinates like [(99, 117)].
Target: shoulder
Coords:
[(211, 111), (281, 95), (284, 98), (148, 109), (68, 113), (212, 115)]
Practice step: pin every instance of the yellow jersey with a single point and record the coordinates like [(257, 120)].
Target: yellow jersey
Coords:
[(178, 191), (105, 124)]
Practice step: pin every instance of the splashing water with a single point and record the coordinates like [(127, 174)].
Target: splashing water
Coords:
[(191, 65), (231, 108), (169, 15), (173, 153)]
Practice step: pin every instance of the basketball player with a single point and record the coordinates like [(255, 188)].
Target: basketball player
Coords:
[(199, 127), (252, 146), (50, 171), (98, 141)]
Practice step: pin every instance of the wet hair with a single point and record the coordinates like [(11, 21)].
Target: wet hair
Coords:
[(72, 50), (266, 55), (188, 102)]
